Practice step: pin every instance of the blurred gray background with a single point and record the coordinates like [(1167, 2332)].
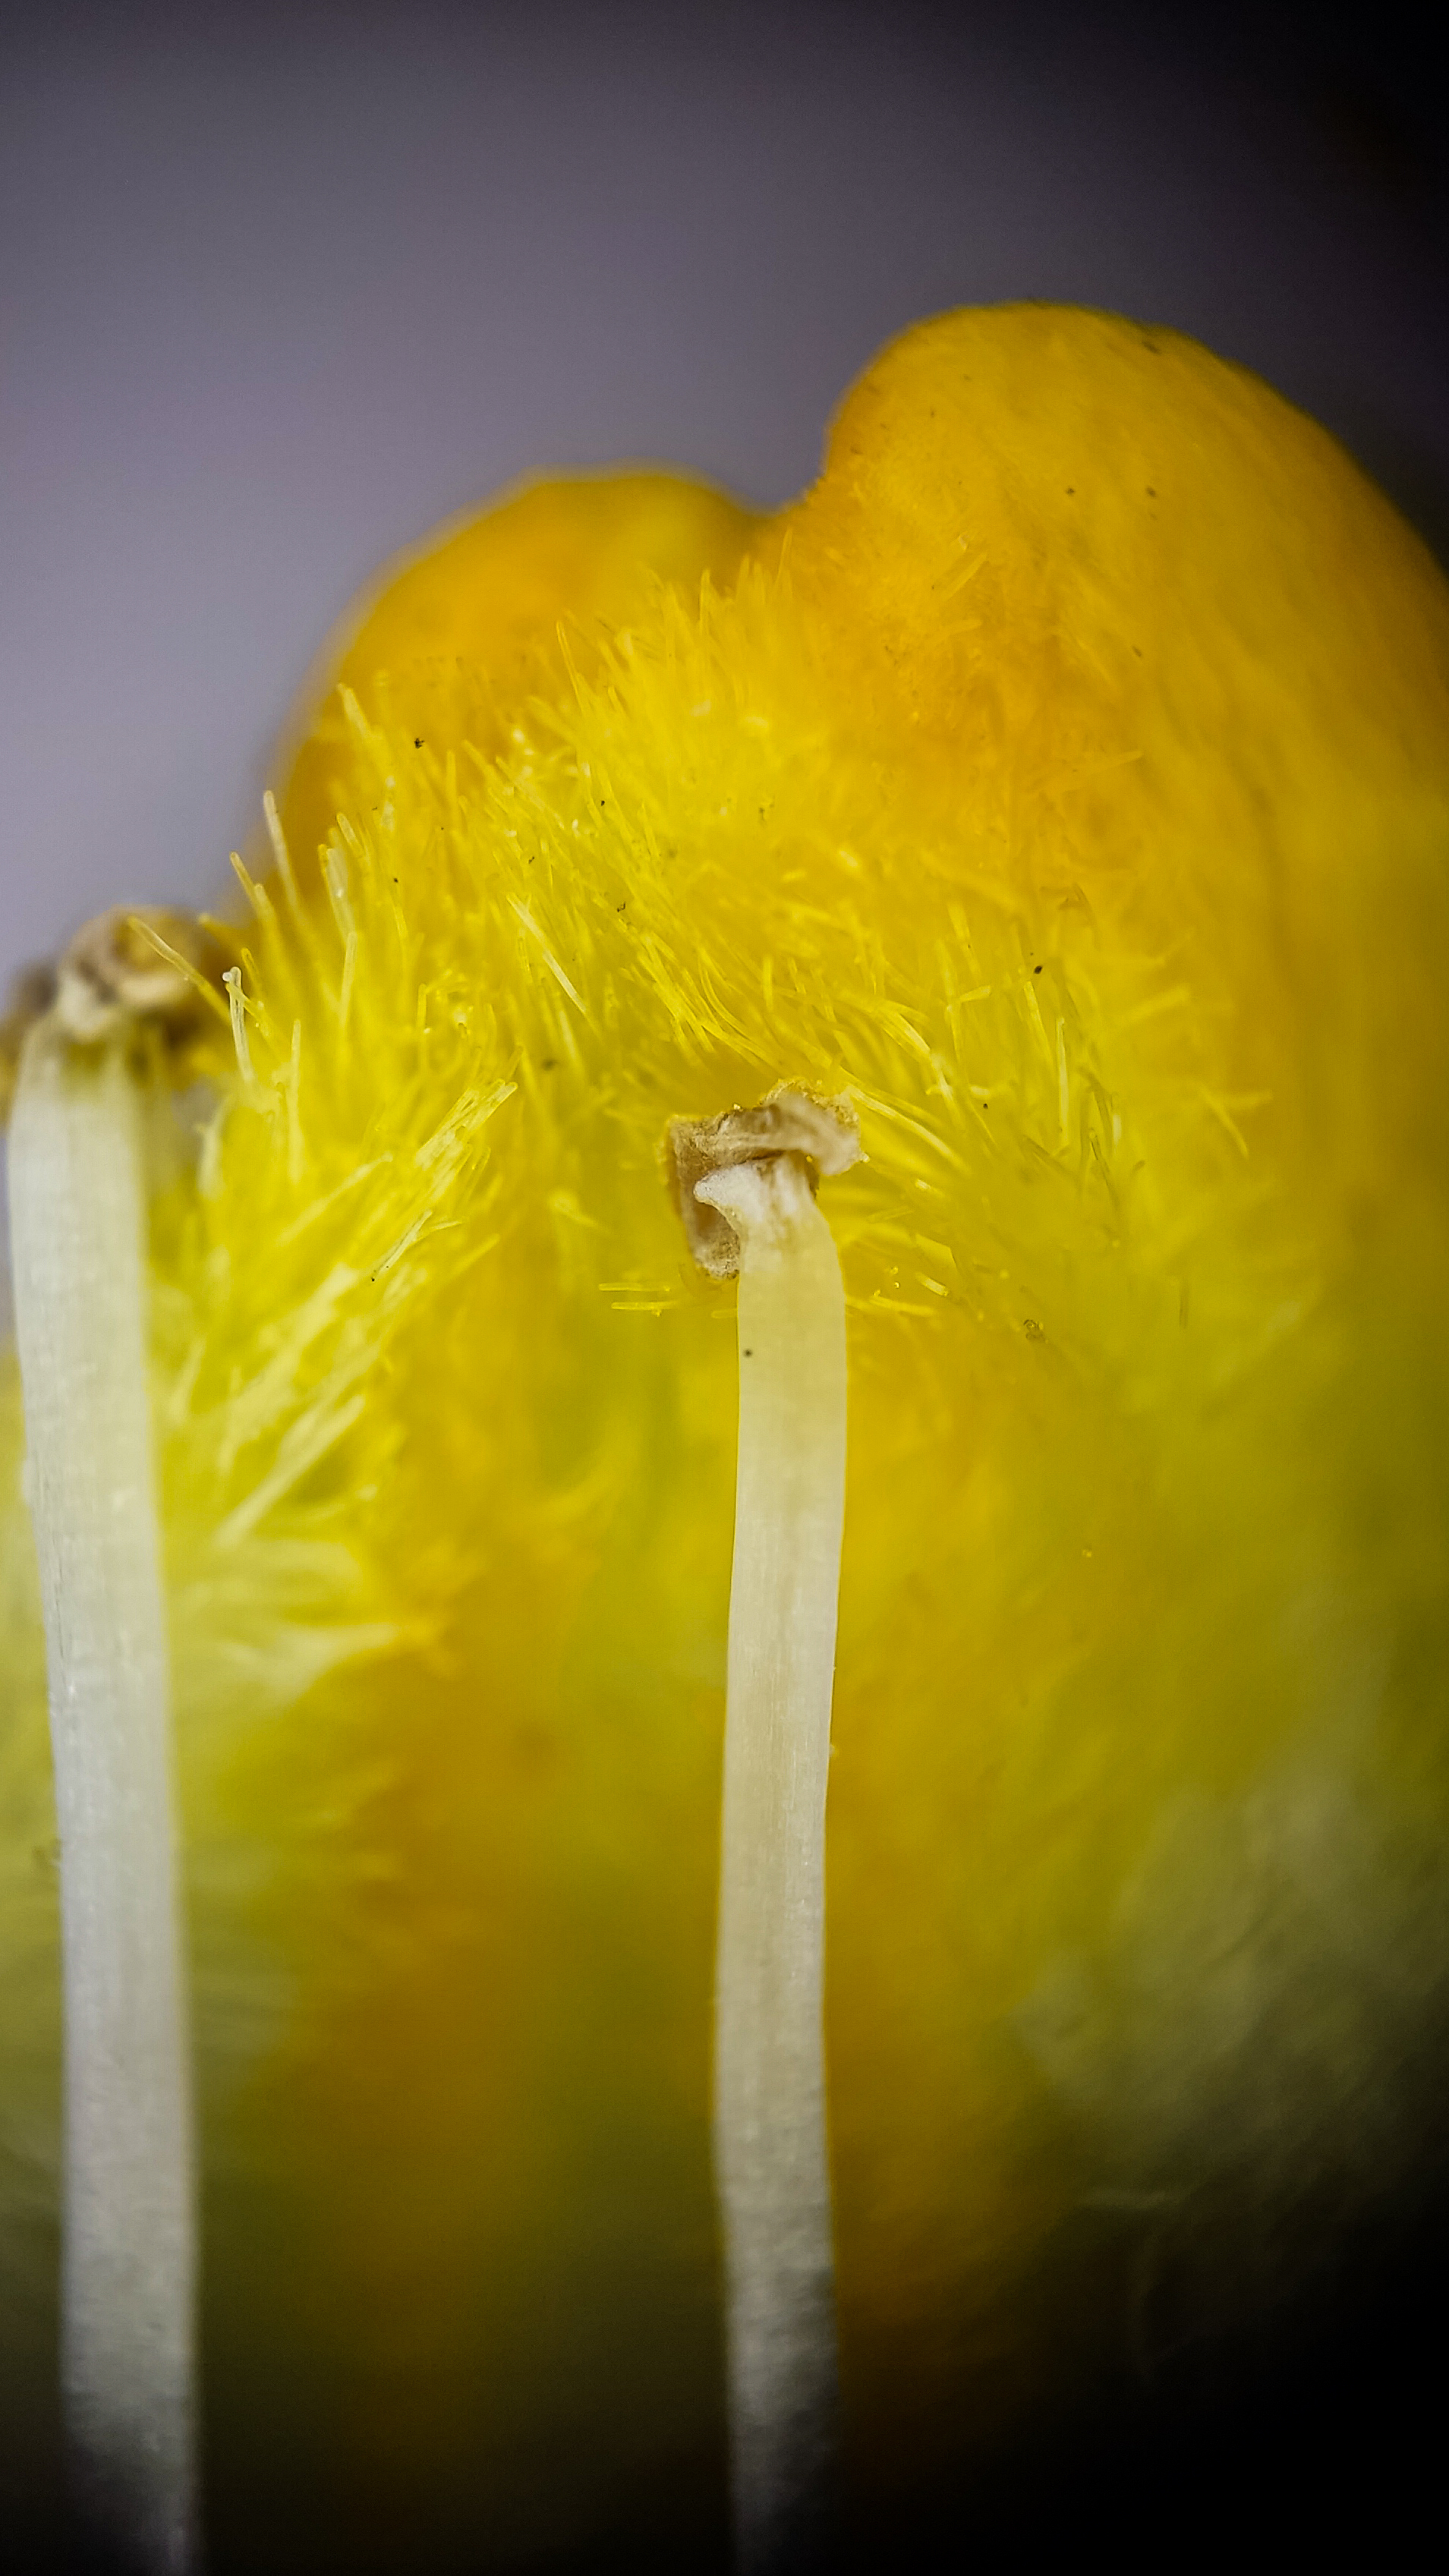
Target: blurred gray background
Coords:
[(279, 288)]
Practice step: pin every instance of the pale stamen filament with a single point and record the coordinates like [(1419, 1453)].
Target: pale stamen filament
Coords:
[(77, 1219), (770, 2133)]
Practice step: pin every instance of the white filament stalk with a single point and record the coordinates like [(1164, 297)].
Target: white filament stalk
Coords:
[(771, 2155), (77, 1215)]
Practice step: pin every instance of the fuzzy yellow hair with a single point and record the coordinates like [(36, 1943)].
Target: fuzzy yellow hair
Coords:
[(1066, 779)]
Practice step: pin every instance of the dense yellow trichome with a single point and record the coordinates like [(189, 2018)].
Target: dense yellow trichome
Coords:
[(1065, 780)]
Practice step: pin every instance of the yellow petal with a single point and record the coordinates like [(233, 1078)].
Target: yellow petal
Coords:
[(1066, 779)]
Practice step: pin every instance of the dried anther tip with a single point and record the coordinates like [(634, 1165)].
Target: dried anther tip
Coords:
[(132, 967), (825, 1132), (117, 970)]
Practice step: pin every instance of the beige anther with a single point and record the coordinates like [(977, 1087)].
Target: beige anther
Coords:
[(824, 1132), (112, 972)]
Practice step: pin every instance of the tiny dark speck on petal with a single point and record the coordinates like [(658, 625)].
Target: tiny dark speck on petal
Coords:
[(1033, 1330), (747, 1355)]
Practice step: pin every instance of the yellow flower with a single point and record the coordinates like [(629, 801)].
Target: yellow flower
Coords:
[(1065, 778)]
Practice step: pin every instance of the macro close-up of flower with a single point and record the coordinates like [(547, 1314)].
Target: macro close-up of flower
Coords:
[(811, 1148)]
